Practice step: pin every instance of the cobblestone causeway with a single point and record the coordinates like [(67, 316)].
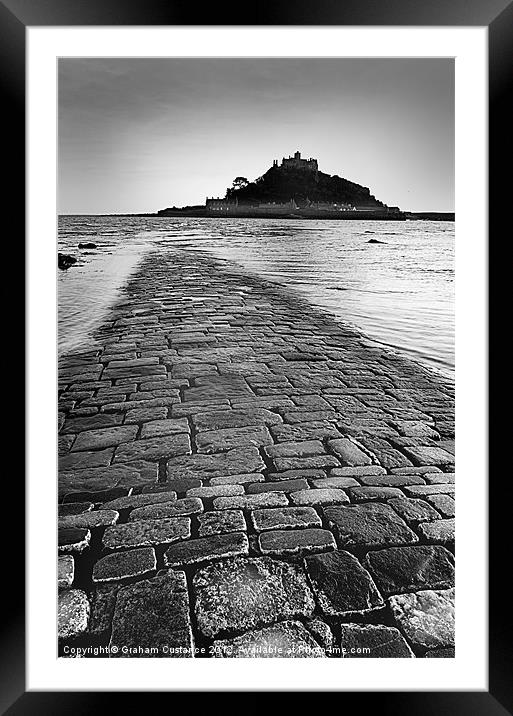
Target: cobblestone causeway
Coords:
[(240, 475)]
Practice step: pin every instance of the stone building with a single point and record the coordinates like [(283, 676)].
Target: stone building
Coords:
[(296, 162)]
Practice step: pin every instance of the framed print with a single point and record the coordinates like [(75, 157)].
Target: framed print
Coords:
[(263, 343)]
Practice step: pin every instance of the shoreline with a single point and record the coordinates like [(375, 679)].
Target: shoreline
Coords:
[(354, 216), (218, 408)]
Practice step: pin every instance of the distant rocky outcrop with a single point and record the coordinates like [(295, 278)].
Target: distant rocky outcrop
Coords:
[(64, 261)]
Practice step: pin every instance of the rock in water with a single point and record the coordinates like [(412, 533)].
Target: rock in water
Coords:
[(65, 261), (375, 241), (88, 245)]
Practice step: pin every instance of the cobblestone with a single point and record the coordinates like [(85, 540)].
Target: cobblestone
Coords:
[(217, 414), (73, 613), (158, 428), (206, 549), (234, 462), (286, 640), (221, 522), (445, 504), (125, 565), (414, 510), (65, 571), (279, 486), (407, 569), (251, 502), (104, 437), (241, 594), (426, 617), (208, 493), (426, 490), (173, 508), (284, 518), (349, 454), (102, 610), (373, 642), (153, 448), (342, 586), (133, 501), (369, 525), (366, 494), (438, 532), (89, 520), (294, 542), (319, 496), (421, 455), (226, 419), (237, 479), (73, 540), (336, 482), (154, 614), (147, 533)]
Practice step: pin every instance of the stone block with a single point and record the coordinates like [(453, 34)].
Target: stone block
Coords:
[(207, 548), (152, 617), (241, 594), (148, 533), (73, 613), (286, 640), (368, 525), (426, 618), (342, 586), (408, 569), (125, 565), (295, 542), (367, 641)]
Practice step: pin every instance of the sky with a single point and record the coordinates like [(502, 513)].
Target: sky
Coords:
[(139, 135)]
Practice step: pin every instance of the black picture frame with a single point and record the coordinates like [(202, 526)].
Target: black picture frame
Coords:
[(15, 17)]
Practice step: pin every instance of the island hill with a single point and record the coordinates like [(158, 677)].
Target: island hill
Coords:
[(297, 189)]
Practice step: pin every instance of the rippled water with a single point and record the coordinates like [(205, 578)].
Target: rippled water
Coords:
[(400, 292)]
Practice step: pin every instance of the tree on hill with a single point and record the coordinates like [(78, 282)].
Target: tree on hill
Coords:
[(239, 183)]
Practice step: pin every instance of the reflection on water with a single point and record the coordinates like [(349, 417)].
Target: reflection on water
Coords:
[(399, 292)]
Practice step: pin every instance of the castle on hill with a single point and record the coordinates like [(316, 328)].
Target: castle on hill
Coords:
[(297, 163), (296, 188)]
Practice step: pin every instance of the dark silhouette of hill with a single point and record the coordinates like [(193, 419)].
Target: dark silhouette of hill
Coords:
[(281, 185)]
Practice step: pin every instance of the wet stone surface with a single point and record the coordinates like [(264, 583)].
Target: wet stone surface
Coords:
[(286, 640), (207, 548), (65, 571), (342, 586), (406, 569), (413, 510), (369, 525), (153, 615), (439, 532), (146, 533), (426, 617), (73, 613), (221, 522), (227, 448), (241, 594), (169, 508), (102, 610), (373, 642), (284, 518), (125, 565), (73, 540), (295, 542)]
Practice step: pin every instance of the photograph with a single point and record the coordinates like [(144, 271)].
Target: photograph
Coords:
[(256, 357)]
